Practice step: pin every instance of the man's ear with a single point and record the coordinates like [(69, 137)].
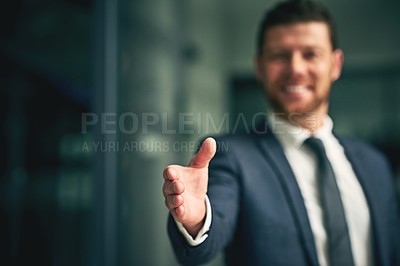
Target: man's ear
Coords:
[(337, 59), (258, 69)]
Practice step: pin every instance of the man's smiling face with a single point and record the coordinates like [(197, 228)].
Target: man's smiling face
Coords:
[(297, 67)]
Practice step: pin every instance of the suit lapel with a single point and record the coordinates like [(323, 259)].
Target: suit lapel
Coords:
[(274, 154), (364, 176)]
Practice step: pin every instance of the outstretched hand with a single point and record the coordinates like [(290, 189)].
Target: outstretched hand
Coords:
[(185, 188)]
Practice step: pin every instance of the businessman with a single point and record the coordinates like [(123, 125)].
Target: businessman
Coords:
[(292, 192)]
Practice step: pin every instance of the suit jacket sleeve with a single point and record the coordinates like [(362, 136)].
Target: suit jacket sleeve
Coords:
[(224, 194)]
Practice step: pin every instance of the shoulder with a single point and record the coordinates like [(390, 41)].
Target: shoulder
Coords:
[(244, 139), (359, 146), (240, 142), (233, 147), (360, 149), (237, 141)]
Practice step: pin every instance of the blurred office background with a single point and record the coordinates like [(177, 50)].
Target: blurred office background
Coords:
[(80, 80)]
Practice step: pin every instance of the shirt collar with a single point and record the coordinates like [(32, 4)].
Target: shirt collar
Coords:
[(290, 134)]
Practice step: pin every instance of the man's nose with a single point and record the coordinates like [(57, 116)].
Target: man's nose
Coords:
[(297, 66)]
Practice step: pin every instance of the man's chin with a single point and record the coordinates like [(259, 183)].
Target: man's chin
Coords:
[(290, 107), (298, 111)]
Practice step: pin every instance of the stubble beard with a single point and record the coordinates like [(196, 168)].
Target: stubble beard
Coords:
[(314, 108)]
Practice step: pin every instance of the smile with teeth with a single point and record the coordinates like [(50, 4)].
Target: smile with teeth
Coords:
[(296, 88)]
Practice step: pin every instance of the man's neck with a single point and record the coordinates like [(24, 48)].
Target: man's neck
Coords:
[(310, 121)]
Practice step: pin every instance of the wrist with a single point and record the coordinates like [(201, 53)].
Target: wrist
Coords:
[(194, 228), (202, 234)]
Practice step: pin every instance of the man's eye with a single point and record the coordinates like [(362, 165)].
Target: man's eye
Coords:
[(279, 56), (310, 55)]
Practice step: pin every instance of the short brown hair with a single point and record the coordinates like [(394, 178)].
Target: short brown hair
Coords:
[(295, 11)]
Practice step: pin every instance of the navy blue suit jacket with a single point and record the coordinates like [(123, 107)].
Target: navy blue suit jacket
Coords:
[(258, 213)]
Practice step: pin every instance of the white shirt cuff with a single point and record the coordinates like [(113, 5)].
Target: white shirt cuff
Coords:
[(201, 235)]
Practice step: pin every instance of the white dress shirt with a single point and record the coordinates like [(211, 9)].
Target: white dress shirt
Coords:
[(303, 163)]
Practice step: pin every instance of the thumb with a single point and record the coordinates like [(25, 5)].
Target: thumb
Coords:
[(205, 154)]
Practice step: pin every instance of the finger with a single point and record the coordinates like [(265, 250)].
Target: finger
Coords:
[(205, 154), (173, 201), (178, 187), (171, 173), (178, 212), (173, 187), (168, 188)]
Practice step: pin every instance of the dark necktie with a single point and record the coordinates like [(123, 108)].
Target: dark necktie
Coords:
[(339, 248)]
